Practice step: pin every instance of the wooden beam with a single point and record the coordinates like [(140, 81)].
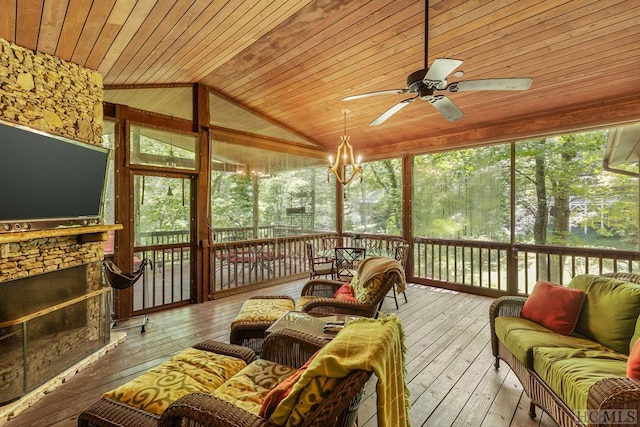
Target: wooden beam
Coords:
[(551, 123), (266, 143)]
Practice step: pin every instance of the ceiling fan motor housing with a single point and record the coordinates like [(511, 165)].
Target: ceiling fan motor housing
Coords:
[(415, 79), (415, 83)]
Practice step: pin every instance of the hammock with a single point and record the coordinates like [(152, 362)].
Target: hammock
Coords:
[(118, 279)]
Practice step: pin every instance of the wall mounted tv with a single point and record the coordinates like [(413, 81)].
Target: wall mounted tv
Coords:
[(47, 181)]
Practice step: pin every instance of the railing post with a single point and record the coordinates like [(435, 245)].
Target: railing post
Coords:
[(512, 271)]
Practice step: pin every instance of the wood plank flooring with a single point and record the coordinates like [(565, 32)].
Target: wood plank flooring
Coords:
[(449, 363)]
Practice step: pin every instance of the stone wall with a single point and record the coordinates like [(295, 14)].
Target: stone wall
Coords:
[(37, 256), (46, 93)]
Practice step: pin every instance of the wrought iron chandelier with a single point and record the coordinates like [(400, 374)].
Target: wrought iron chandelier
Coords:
[(344, 159)]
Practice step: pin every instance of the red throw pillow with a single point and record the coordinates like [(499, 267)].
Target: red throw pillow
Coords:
[(345, 293), (633, 362), (282, 390), (554, 307)]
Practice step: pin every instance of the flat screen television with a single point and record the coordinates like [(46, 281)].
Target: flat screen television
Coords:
[(47, 181)]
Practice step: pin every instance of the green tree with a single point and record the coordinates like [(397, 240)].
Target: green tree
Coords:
[(463, 194), (375, 204)]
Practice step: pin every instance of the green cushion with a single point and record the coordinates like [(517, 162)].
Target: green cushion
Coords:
[(570, 373), (610, 310), (366, 292), (521, 336)]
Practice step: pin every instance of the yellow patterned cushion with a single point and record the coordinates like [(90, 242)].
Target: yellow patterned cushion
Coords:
[(267, 309), (300, 302), (249, 387), (190, 371), (365, 292)]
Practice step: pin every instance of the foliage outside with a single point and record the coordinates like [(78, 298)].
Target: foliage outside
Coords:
[(374, 205), (289, 202), (563, 197)]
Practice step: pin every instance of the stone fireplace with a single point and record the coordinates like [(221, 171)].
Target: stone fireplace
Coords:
[(54, 304)]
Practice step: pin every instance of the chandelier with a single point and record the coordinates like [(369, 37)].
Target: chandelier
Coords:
[(344, 159)]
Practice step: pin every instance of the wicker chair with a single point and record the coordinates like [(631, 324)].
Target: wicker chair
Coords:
[(323, 291), (286, 347), (347, 260), (319, 265), (401, 254)]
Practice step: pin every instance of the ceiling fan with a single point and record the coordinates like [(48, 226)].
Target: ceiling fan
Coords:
[(429, 80)]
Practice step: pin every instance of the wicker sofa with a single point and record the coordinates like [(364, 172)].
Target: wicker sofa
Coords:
[(283, 352), (579, 379)]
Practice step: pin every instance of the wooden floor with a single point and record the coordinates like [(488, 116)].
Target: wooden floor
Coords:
[(449, 363)]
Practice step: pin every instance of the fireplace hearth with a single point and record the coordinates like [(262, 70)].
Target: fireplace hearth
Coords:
[(54, 305)]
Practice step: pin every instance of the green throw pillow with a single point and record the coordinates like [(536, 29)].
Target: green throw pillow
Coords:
[(610, 310)]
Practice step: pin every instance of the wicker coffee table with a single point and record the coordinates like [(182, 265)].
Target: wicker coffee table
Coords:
[(308, 323)]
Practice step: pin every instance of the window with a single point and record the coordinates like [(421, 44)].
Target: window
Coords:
[(257, 193), (374, 204), (108, 141), (564, 197), (156, 147), (463, 194)]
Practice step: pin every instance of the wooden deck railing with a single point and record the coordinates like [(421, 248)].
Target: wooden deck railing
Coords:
[(500, 268), (261, 261), (234, 234), (169, 282), (475, 266)]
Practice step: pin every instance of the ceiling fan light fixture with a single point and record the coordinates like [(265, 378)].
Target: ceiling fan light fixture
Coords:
[(345, 167), (458, 74)]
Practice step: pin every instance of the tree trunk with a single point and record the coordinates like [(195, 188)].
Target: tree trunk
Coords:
[(561, 196), (542, 211)]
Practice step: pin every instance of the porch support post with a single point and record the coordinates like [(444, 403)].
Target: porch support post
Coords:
[(201, 236), (407, 208), (512, 256)]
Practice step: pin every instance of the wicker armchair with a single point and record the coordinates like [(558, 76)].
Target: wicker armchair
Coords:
[(323, 291), (286, 347)]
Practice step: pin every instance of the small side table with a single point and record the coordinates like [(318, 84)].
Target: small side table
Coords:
[(307, 323)]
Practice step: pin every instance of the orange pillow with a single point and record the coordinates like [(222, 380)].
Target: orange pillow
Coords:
[(282, 390), (633, 362), (554, 307), (345, 293)]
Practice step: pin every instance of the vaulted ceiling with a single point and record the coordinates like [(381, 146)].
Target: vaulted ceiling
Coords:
[(291, 62)]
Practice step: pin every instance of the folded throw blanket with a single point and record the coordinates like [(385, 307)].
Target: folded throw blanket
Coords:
[(370, 267), (368, 344)]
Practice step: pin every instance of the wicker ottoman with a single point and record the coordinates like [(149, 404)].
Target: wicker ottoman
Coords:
[(255, 316)]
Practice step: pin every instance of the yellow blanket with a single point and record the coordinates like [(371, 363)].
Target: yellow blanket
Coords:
[(370, 267), (369, 344)]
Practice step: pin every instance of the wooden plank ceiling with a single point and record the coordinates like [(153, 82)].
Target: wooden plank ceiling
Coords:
[(292, 61)]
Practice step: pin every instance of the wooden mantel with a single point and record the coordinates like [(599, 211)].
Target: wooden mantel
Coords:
[(87, 234)]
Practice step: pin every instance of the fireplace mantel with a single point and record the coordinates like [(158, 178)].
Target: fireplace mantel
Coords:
[(21, 236)]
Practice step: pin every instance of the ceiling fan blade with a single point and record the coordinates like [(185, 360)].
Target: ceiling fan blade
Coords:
[(380, 92), (441, 68), (491, 84), (391, 111), (447, 108)]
